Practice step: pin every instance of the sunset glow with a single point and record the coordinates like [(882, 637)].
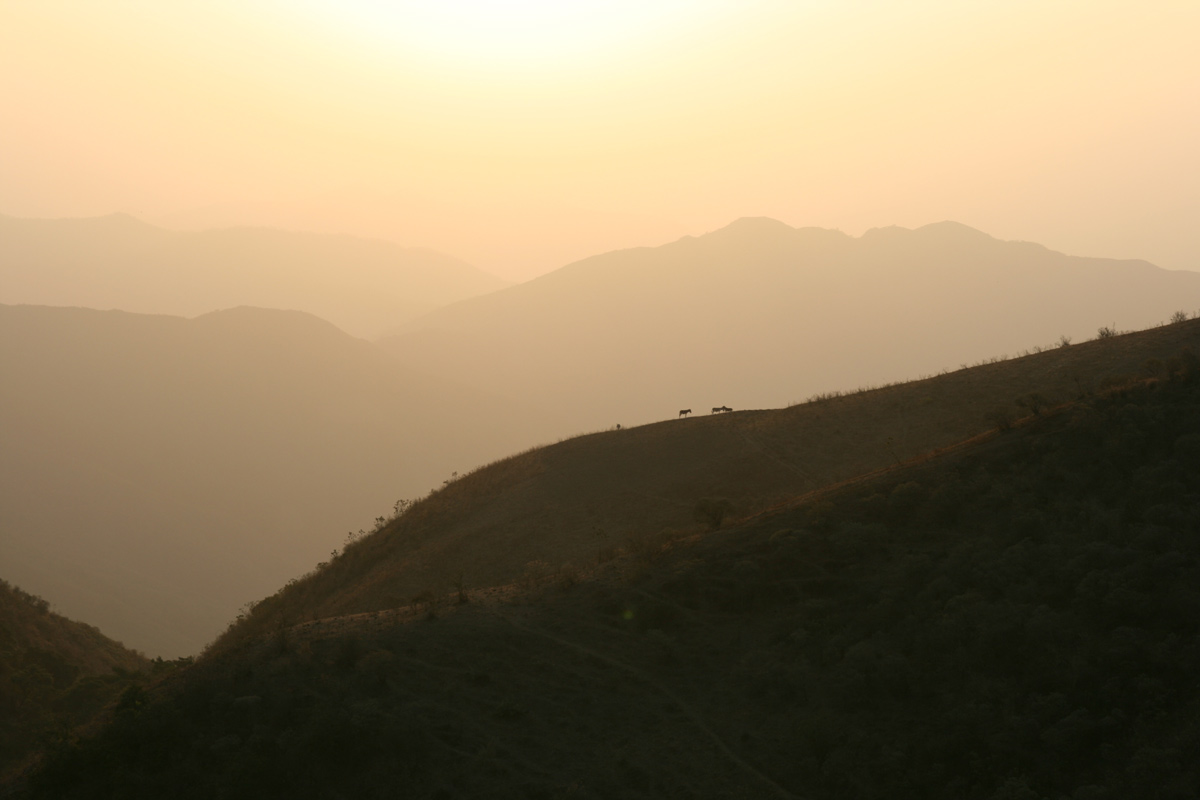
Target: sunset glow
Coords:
[(600, 398), (523, 135), (509, 35)]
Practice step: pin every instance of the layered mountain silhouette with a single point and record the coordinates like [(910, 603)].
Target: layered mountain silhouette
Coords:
[(158, 472), (571, 502), (1011, 617), (166, 470), (363, 286), (759, 314)]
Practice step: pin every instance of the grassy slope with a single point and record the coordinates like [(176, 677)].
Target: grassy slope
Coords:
[(54, 672), (566, 502), (1016, 618)]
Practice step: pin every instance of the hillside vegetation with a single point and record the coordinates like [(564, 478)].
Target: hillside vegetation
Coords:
[(363, 286), (576, 500), (156, 473), (759, 314), (1017, 618), (54, 673)]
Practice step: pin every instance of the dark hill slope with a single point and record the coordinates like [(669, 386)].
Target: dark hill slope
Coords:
[(1019, 618), (54, 673), (156, 473), (363, 286), (566, 502), (759, 314)]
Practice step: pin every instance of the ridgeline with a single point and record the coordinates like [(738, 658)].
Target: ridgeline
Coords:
[(1016, 616)]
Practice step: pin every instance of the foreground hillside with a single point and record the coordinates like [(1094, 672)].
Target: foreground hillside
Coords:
[(1016, 618), (156, 473), (572, 501), (759, 314), (363, 286), (54, 673)]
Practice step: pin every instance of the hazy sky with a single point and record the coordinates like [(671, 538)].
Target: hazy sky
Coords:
[(523, 135)]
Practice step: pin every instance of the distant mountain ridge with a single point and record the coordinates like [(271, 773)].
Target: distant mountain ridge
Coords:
[(759, 314), (247, 441), (364, 286), (157, 472)]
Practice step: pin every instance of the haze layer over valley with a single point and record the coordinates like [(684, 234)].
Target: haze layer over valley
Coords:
[(760, 314), (364, 286), (928, 629), (609, 398), (159, 472)]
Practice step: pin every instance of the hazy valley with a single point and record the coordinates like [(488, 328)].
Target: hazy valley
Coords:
[(1008, 617), (365, 287), (529, 400), (160, 472)]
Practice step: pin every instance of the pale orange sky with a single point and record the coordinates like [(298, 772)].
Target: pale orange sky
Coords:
[(523, 135)]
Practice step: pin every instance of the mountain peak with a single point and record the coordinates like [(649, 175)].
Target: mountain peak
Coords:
[(945, 231), (756, 226), (263, 319), (949, 229)]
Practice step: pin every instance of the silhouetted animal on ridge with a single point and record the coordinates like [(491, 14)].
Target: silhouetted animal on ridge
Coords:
[(721, 409), (685, 412)]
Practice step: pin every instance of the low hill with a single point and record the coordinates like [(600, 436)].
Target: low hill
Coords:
[(118, 262), (759, 314), (54, 673), (158, 472), (567, 502), (1015, 618)]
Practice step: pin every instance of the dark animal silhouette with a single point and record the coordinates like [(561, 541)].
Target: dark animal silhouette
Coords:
[(685, 412), (721, 409), (726, 409)]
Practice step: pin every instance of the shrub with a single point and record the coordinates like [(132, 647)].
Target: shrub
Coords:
[(904, 500), (428, 601), (1001, 418), (1110, 382), (1153, 368), (1189, 362), (648, 546), (712, 511), (536, 573), (1188, 446), (1106, 332), (568, 576), (1178, 317), (606, 553), (1035, 403)]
